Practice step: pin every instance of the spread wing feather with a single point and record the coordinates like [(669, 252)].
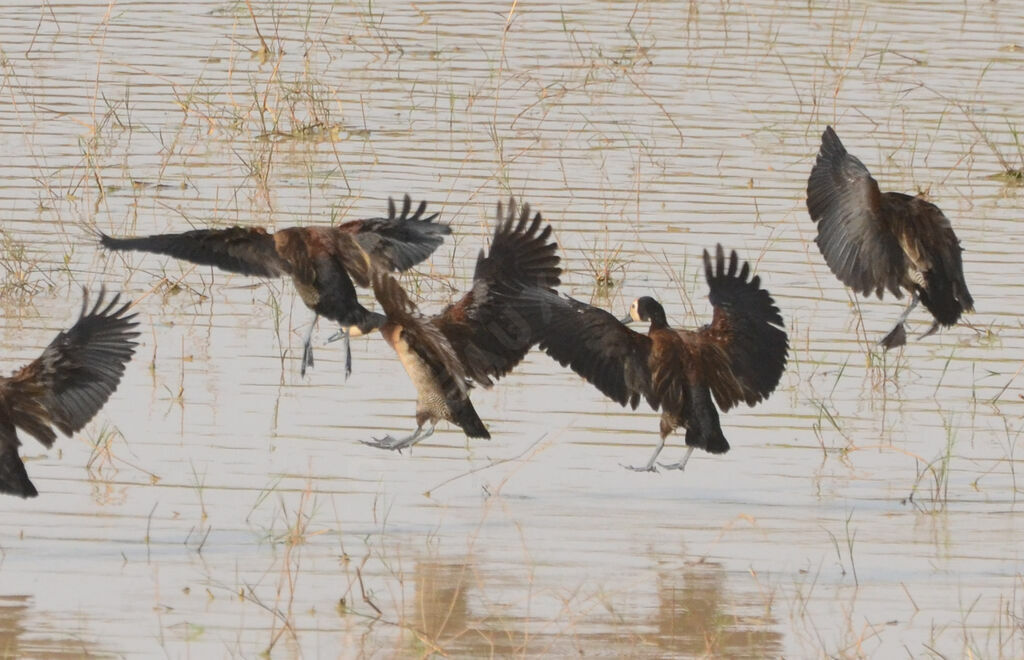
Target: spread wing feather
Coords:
[(401, 240), (747, 333), (853, 235), (245, 250), (487, 329), (66, 385), (82, 367), (593, 343)]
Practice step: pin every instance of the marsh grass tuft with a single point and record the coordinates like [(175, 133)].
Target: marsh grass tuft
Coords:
[(22, 276), (603, 265), (939, 471)]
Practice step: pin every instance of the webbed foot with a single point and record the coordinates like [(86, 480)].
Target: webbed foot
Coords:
[(398, 444), (896, 337), (931, 330), (650, 467)]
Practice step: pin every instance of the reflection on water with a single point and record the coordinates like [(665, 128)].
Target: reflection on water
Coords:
[(696, 617), (441, 612), (25, 633), (221, 505)]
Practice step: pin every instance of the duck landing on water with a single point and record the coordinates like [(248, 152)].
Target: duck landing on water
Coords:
[(874, 241), (478, 339), (65, 386), (739, 356), (322, 261)]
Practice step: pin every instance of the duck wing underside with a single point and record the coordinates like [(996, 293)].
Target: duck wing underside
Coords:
[(245, 250), (854, 230)]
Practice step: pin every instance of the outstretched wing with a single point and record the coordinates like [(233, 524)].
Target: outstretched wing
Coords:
[(521, 255), (245, 250), (853, 233), (593, 343), (490, 334), (423, 337), (399, 241), (75, 375), (748, 343)]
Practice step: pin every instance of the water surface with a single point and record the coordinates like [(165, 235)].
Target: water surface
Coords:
[(220, 505)]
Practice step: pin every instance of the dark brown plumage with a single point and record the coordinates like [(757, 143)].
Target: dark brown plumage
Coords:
[(65, 386), (478, 339), (738, 357), (322, 261), (875, 241)]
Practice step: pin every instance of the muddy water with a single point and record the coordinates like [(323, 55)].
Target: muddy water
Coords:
[(220, 505)]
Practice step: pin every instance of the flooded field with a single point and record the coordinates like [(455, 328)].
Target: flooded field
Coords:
[(220, 505)]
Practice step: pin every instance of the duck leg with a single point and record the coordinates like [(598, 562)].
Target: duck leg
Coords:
[(650, 464), (344, 332), (681, 465), (931, 330), (898, 335), (307, 347), (398, 444), (348, 353)]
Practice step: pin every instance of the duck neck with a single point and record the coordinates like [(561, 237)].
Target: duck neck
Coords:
[(658, 321)]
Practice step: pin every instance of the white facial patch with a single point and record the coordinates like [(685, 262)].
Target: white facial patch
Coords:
[(634, 310)]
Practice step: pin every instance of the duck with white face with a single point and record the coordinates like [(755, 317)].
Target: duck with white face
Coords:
[(739, 356), (644, 309)]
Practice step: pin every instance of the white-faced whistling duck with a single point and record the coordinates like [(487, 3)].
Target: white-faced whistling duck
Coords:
[(874, 241), (481, 337), (65, 386), (322, 261), (739, 356)]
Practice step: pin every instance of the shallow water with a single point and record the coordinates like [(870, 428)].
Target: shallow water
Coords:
[(220, 505)]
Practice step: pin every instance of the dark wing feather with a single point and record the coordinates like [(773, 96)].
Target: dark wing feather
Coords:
[(748, 342), (399, 241), (13, 477), (521, 255), (245, 250), (84, 365), (422, 336), (945, 294), (336, 295), (593, 343), (76, 374), (933, 249), (486, 329), (853, 232)]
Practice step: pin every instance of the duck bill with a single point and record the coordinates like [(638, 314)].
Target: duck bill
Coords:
[(626, 320)]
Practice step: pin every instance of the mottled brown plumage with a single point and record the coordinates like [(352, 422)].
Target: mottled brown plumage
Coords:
[(65, 386), (323, 262), (479, 338), (738, 357), (875, 241)]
